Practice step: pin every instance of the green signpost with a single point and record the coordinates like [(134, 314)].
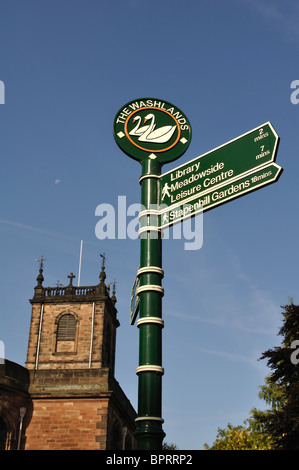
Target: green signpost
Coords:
[(155, 132)]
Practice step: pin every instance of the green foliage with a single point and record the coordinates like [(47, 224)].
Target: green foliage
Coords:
[(166, 446), (278, 426), (240, 438), (282, 421)]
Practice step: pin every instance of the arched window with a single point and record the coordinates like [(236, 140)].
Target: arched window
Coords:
[(66, 330), (66, 333)]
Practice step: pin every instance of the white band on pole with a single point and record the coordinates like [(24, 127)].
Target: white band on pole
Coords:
[(150, 368), (145, 320), (150, 269), (150, 418), (148, 212), (149, 175), (148, 228), (150, 287)]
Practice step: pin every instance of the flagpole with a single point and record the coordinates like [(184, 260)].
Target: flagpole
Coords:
[(80, 260)]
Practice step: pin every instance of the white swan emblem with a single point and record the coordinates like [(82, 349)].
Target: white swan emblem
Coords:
[(137, 129), (150, 134)]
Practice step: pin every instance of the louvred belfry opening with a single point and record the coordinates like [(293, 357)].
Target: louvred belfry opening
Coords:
[(66, 328)]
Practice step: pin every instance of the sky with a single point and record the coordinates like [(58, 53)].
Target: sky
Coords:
[(68, 66)]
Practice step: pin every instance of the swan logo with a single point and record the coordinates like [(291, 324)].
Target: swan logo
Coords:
[(152, 128)]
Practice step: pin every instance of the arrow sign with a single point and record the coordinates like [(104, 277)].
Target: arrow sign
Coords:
[(134, 301), (221, 194), (219, 166)]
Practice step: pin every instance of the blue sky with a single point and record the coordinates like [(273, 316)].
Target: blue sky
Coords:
[(68, 66)]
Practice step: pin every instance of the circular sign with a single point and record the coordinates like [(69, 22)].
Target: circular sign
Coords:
[(152, 128)]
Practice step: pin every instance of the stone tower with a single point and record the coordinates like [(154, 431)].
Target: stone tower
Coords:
[(76, 401)]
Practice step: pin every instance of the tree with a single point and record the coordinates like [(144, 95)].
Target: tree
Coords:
[(166, 446), (282, 421), (240, 438), (278, 426)]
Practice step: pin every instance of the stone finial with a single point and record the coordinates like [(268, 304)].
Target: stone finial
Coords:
[(39, 289), (102, 275), (113, 297), (71, 277), (102, 286), (40, 277)]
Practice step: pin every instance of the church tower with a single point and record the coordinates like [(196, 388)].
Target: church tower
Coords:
[(76, 401)]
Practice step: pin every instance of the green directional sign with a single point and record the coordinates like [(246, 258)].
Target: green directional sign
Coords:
[(221, 194), (134, 301), (219, 166)]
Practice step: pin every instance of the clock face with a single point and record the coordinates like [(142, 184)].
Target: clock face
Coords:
[(152, 128)]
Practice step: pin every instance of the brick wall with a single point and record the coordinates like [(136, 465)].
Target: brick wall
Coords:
[(78, 409), (72, 424)]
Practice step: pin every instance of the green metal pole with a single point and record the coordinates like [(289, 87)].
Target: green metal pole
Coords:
[(149, 433)]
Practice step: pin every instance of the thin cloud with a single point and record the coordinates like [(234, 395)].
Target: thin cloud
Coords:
[(231, 324), (232, 357), (250, 309), (37, 230), (212, 321), (285, 18), (264, 308)]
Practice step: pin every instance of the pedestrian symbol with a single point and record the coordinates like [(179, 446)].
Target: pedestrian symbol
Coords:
[(165, 191), (165, 218)]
